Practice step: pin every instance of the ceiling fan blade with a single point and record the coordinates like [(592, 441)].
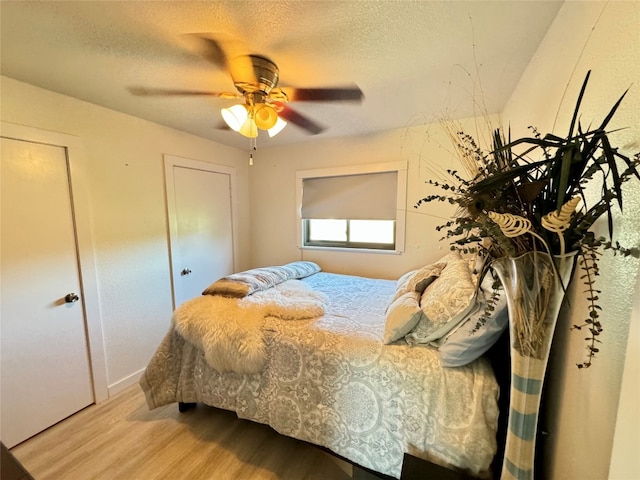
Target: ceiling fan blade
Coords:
[(303, 122), (210, 48), (171, 92), (226, 52), (339, 94)]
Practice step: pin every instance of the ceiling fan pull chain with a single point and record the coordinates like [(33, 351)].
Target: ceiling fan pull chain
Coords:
[(253, 146)]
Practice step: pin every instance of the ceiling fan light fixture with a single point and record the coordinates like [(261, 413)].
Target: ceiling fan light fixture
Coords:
[(265, 116), (248, 128), (277, 128), (235, 116)]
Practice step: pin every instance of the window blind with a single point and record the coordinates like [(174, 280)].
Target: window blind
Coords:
[(370, 196)]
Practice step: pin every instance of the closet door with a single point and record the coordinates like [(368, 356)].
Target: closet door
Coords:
[(45, 373), (199, 199)]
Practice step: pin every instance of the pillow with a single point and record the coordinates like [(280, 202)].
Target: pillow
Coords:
[(402, 285), (445, 303), (469, 341), (419, 280), (403, 281), (229, 286), (301, 269), (425, 277), (245, 283), (402, 315)]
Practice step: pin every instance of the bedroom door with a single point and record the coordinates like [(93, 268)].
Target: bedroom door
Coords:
[(199, 199), (45, 372)]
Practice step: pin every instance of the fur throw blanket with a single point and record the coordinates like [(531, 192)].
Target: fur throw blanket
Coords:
[(230, 331)]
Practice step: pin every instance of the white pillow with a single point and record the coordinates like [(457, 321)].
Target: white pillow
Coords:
[(403, 281), (417, 280), (402, 284), (445, 303), (425, 277), (402, 315), (470, 340)]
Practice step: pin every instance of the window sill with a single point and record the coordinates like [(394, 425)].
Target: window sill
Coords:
[(352, 250)]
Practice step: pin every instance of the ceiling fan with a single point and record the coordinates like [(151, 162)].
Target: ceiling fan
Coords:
[(264, 105)]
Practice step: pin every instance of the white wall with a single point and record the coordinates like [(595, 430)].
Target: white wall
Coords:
[(625, 462), (124, 158), (582, 404)]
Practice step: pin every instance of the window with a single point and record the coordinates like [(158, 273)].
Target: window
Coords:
[(370, 234), (358, 207)]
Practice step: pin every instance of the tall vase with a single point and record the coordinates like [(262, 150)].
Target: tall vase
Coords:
[(534, 296)]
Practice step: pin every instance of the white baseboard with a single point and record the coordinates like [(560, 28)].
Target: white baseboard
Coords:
[(126, 382)]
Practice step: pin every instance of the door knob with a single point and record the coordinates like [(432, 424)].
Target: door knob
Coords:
[(71, 297), (185, 271)]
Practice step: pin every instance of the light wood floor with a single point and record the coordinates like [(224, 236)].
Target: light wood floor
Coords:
[(122, 439)]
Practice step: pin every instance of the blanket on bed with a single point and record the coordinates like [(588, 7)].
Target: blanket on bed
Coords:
[(230, 330), (330, 381)]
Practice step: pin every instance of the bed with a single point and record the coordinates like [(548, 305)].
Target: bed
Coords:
[(333, 372)]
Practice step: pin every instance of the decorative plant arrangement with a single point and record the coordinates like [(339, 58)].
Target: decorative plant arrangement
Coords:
[(530, 195), (528, 210)]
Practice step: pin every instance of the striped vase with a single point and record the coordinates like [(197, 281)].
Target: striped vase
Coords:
[(534, 296)]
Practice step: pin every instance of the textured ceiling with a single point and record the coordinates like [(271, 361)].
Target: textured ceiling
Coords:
[(415, 61)]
